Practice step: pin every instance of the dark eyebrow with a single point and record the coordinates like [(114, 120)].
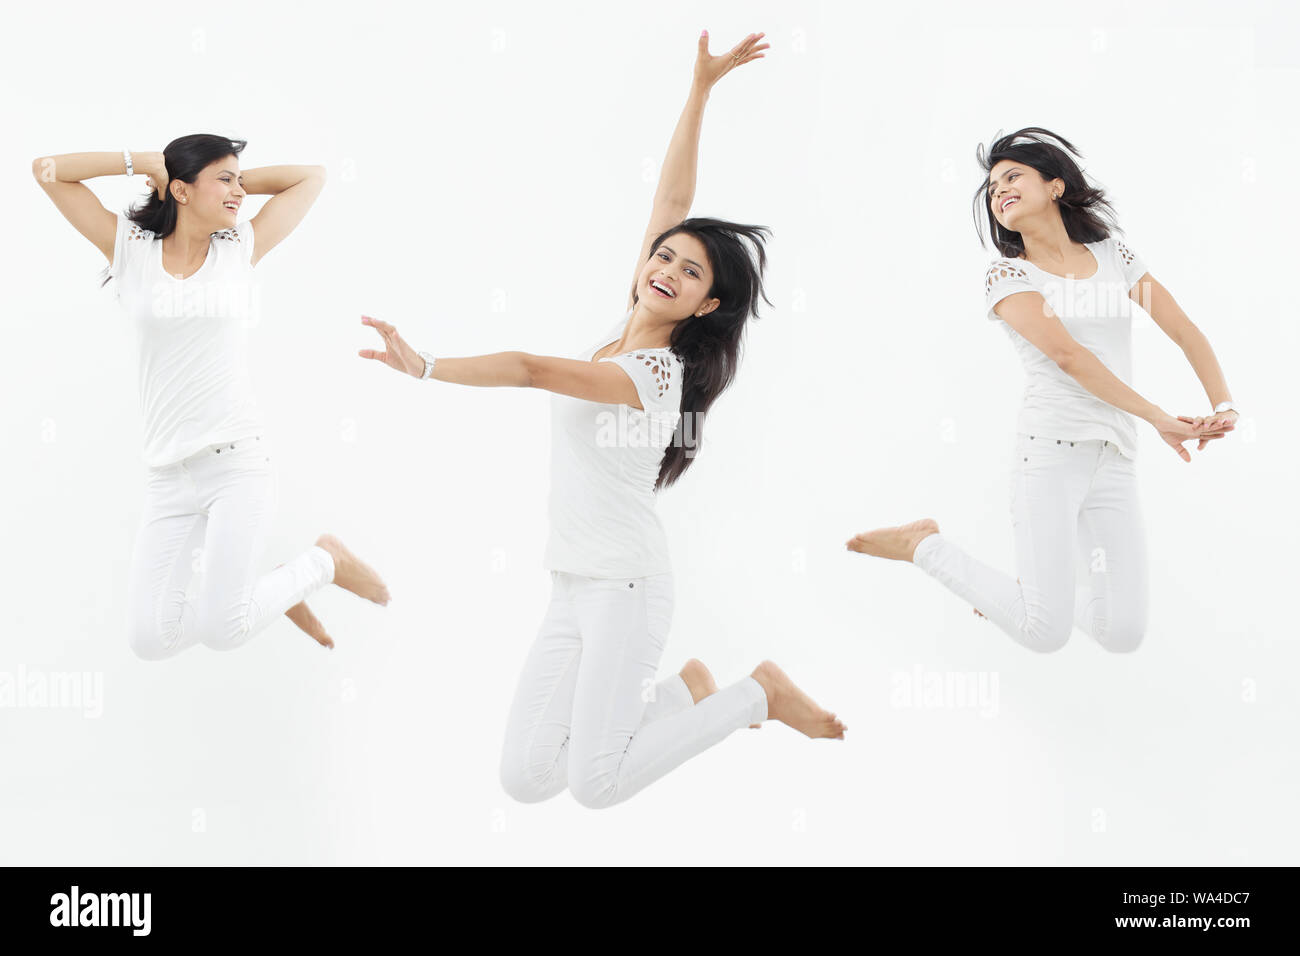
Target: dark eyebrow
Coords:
[(1008, 170), (232, 172), (691, 261)]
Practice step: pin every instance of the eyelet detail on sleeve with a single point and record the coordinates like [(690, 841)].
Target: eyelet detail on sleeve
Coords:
[(661, 365), (231, 234), (1125, 253), (135, 232), (1000, 270)]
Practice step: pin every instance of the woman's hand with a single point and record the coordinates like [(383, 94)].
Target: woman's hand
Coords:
[(710, 69), (155, 165), (1212, 426), (1175, 431), (397, 353)]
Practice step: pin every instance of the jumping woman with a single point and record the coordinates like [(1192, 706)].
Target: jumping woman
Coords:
[(588, 714), (183, 262), (1062, 288)]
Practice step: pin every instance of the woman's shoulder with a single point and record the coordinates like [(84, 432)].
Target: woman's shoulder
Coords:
[(1003, 269), (231, 235), (133, 231)]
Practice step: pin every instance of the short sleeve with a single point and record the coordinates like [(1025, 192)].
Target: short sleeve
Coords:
[(657, 375), (1132, 267), (242, 238), (1004, 278), (128, 234)]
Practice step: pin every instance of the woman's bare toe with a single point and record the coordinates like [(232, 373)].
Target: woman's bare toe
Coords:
[(788, 704), (353, 574), (897, 543)]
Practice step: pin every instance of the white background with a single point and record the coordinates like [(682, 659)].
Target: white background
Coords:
[(491, 170)]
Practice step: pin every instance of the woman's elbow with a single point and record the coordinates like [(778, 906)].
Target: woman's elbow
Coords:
[(1067, 359), (528, 370)]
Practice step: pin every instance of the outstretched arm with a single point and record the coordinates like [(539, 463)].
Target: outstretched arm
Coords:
[(676, 189), (602, 382), (293, 190), (1030, 315), (1173, 321)]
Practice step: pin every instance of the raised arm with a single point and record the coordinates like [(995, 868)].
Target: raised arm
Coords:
[(61, 177), (293, 189), (1173, 321), (1030, 315), (676, 190)]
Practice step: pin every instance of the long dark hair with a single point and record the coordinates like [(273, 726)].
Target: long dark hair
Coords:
[(1087, 214), (185, 158), (709, 345)]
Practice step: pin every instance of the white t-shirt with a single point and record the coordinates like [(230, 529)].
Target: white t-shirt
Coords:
[(604, 463), (1097, 313), (192, 338)]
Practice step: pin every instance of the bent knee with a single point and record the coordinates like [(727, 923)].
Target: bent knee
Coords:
[(524, 785), (152, 643), (1045, 636), (1121, 640), (225, 635), (595, 794)]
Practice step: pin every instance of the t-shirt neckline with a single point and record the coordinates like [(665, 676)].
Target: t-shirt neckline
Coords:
[(206, 261), (1096, 258)]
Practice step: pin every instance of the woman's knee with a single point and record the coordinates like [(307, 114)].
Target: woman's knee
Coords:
[(223, 631), (595, 793), (1045, 635), (523, 786), (1121, 637), (150, 642), (525, 780)]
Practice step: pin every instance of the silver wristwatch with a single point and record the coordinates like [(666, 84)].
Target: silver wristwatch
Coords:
[(428, 364)]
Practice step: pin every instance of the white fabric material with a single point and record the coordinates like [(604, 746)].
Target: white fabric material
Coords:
[(588, 714), (1097, 313), (192, 339), (604, 463), (194, 577), (1080, 550)]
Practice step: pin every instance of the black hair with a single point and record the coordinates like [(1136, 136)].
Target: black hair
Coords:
[(185, 158), (1087, 214), (709, 345)]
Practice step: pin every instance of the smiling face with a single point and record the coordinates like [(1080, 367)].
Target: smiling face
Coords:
[(216, 194), (675, 280), (1016, 190)]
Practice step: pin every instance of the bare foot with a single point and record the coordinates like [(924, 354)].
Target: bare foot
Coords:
[(699, 681), (307, 622), (788, 704), (353, 574), (897, 544)]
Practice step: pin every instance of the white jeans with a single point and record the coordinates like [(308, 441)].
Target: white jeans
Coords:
[(194, 573), (1080, 550), (588, 713)]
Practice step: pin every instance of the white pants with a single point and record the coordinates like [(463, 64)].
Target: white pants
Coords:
[(1080, 550), (194, 573), (588, 713)]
